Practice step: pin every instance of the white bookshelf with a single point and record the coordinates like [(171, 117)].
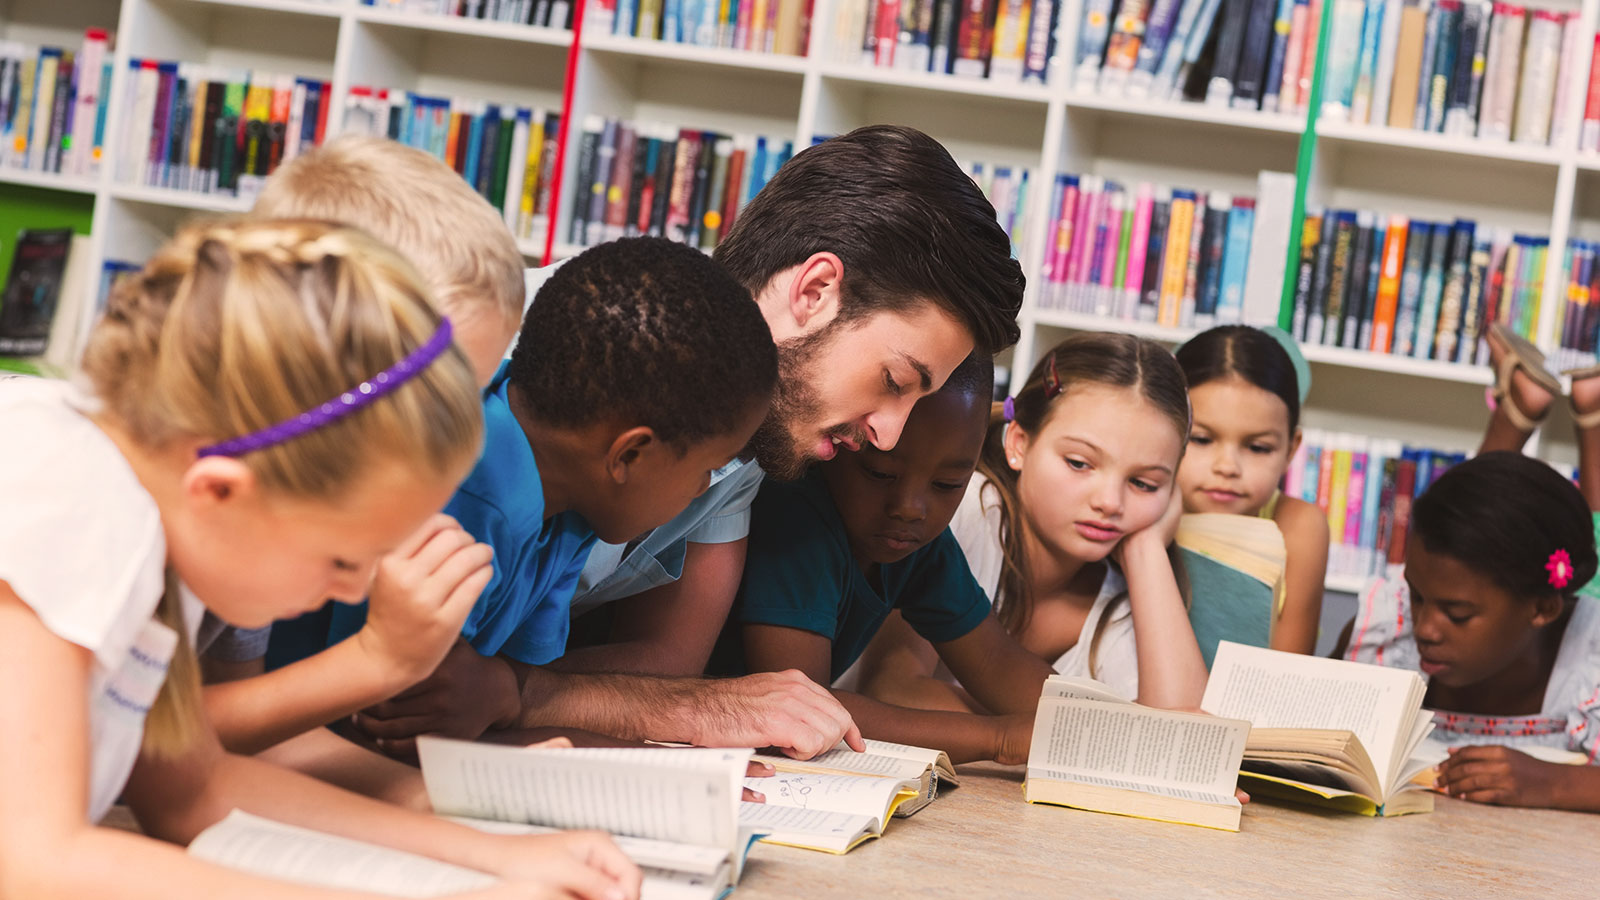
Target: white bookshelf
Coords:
[(1552, 190)]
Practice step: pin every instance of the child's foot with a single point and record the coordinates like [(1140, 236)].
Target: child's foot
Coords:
[(1530, 398), (1586, 398)]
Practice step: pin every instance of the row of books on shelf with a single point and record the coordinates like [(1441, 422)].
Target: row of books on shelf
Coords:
[(1002, 40), (1006, 188), (1151, 253), (1466, 68), (1579, 317), (546, 13), (765, 26), (1408, 287), (1366, 486), (1243, 54), (654, 179), (507, 153), (212, 129), (53, 105)]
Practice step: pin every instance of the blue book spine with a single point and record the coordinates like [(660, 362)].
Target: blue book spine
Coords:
[(1198, 35), (1158, 31), (623, 23), (1424, 460), (1166, 72), (1367, 62), (758, 168), (1313, 473), (469, 172), (1344, 46), (672, 21), (1430, 46), (1281, 24), (1371, 496), (1236, 262)]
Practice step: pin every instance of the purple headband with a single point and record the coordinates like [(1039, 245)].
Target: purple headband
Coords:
[(342, 405)]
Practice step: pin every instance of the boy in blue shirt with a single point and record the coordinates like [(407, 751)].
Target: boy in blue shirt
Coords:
[(864, 534)]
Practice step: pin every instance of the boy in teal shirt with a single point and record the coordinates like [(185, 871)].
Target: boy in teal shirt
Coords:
[(865, 534)]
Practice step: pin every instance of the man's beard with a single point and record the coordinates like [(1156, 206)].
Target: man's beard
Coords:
[(794, 404)]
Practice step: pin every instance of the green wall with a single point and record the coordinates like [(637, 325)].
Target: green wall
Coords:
[(27, 207)]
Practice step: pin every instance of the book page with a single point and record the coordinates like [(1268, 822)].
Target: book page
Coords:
[(687, 796), (1286, 690), (777, 821), (275, 850), (1184, 755), (847, 760), (861, 795), (1081, 688), (687, 858)]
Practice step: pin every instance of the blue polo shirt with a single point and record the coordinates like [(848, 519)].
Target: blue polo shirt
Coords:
[(524, 611), (800, 573)]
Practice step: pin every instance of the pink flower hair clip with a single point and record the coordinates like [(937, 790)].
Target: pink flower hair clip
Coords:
[(1560, 568)]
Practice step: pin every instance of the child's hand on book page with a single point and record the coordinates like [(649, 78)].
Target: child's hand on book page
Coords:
[(581, 864), (421, 594), (784, 709), (1500, 775), (468, 694)]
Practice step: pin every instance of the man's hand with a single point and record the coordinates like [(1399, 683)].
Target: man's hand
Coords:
[(1499, 775), (421, 595), (467, 695), (785, 710)]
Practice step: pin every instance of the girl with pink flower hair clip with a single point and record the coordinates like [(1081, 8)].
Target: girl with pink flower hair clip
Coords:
[(1498, 609)]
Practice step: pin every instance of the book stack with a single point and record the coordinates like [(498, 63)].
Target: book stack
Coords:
[(53, 105), (1579, 318), (1002, 40), (215, 130), (764, 26), (1466, 68), (546, 13), (507, 153), (652, 179), (1407, 287), (1241, 54), (1365, 485), (1147, 253), (1006, 188)]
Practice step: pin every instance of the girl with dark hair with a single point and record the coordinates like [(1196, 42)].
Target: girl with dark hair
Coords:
[(1067, 525), (1246, 386)]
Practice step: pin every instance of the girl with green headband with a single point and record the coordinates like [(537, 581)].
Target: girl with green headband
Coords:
[(1246, 386)]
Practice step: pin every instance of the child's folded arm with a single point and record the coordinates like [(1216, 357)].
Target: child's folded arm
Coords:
[(898, 667), (996, 669)]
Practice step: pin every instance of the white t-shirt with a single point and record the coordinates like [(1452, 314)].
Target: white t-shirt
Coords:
[(81, 544), (976, 527)]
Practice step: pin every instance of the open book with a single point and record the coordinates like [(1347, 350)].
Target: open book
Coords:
[(1234, 566), (1093, 750), (900, 762), (1326, 731), (818, 811), (685, 803), (290, 853)]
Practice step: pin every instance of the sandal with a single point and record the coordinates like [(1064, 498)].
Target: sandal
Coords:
[(1522, 354), (1591, 418)]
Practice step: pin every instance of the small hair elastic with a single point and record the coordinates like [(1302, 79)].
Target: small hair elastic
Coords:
[(1560, 568), (1009, 408), (343, 405), (1052, 381)]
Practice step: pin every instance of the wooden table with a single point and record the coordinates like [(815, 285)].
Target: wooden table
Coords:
[(981, 840)]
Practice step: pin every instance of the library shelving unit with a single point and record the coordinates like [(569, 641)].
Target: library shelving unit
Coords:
[(1049, 129)]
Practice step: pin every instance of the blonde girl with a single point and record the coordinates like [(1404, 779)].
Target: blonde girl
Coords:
[(265, 411), (1066, 525)]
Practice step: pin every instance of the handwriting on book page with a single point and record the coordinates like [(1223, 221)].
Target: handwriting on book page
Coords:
[(840, 793), (275, 850), (1091, 738)]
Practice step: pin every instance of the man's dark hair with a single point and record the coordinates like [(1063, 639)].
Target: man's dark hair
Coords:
[(649, 332), (909, 225)]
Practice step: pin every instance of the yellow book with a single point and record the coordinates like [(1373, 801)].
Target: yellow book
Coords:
[(1339, 493), (1095, 751), (930, 769), (831, 813), (530, 176), (1334, 733), (1176, 266)]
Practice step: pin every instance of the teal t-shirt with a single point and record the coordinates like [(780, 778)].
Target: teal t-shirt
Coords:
[(800, 573)]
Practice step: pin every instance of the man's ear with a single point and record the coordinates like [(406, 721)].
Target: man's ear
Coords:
[(214, 482), (814, 293), (627, 450), (1016, 444)]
